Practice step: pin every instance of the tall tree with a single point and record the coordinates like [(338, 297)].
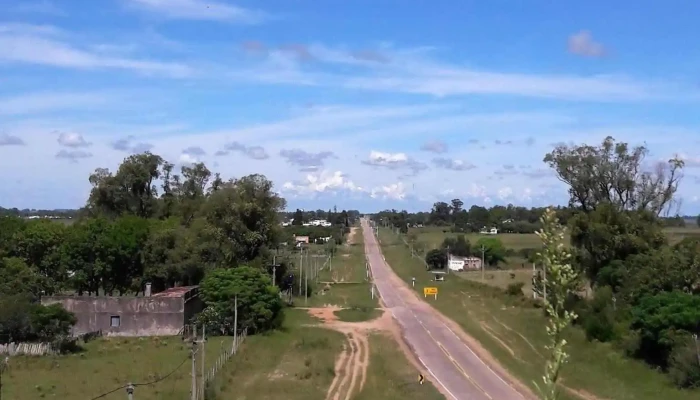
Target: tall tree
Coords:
[(616, 174)]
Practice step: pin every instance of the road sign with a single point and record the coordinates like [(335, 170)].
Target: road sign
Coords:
[(432, 291)]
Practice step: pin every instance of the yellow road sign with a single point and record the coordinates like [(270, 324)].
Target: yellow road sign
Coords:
[(432, 291)]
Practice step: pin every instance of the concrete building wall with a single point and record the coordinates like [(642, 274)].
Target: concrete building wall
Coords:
[(136, 316)]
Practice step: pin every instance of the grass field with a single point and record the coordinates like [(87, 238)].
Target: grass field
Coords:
[(431, 237), (106, 364), (357, 314), (296, 362), (515, 335), (390, 377), (348, 270)]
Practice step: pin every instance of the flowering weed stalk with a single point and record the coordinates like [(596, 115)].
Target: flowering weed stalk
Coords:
[(561, 280)]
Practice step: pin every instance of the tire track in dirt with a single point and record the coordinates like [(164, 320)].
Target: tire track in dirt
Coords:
[(353, 361)]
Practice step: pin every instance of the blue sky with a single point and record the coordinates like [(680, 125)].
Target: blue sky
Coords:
[(360, 104)]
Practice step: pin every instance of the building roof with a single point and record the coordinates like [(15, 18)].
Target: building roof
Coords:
[(181, 291)]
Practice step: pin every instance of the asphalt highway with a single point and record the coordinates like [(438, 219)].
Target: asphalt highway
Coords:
[(454, 367)]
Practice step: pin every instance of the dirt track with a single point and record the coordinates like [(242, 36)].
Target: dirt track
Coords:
[(352, 363)]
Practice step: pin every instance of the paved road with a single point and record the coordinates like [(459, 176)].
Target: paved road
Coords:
[(455, 367)]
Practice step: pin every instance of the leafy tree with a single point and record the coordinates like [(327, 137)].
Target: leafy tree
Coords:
[(458, 246), (298, 218), (243, 218), (18, 277), (259, 303), (494, 250), (607, 234), (436, 259), (131, 190), (613, 173), (661, 319), (39, 246)]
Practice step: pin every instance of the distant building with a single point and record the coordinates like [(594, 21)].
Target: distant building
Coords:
[(489, 231), (318, 222), (301, 239), (457, 263), (162, 314)]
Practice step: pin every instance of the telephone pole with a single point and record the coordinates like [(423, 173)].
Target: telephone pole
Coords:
[(306, 282), (301, 267), (483, 252), (235, 324), (193, 356), (201, 349), (274, 269), (3, 366)]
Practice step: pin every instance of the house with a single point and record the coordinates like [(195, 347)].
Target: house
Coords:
[(318, 222), (489, 231), (456, 263), (162, 314), (301, 239)]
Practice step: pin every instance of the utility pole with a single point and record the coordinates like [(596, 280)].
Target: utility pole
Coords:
[(235, 324), (274, 269), (306, 282), (193, 356), (5, 364), (483, 252), (544, 281), (301, 269), (697, 346), (201, 349)]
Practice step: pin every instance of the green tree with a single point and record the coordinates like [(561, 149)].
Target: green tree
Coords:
[(243, 218), (458, 246), (298, 218), (661, 320), (18, 277), (39, 246), (436, 259), (494, 250), (131, 190), (259, 303), (614, 174)]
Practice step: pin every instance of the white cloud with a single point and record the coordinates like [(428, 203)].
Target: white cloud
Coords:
[(49, 101), (394, 161), (43, 45), (72, 139), (322, 182), (394, 191), (199, 10)]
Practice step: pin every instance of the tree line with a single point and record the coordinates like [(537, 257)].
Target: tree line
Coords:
[(645, 291), (148, 223)]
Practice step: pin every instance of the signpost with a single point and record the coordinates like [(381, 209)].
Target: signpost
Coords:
[(430, 291)]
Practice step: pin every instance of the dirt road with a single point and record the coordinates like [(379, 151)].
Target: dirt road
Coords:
[(438, 343)]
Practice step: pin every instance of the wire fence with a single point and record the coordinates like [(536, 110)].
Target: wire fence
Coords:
[(226, 354)]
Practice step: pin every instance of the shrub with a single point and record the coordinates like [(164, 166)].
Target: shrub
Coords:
[(515, 289), (684, 365)]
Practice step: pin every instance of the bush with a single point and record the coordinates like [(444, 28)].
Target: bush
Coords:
[(515, 289), (684, 365), (259, 303)]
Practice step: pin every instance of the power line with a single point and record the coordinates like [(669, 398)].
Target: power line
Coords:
[(153, 382)]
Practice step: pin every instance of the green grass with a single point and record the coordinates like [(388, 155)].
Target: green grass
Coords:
[(514, 334), (349, 271), (106, 364), (292, 363), (358, 314), (391, 377), (432, 237)]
